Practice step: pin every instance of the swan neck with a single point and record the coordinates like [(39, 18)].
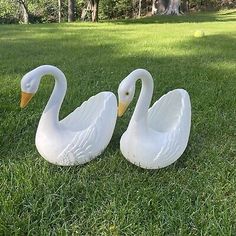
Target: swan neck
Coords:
[(51, 112), (145, 97)]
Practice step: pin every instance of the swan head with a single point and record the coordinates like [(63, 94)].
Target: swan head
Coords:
[(126, 92), (29, 86)]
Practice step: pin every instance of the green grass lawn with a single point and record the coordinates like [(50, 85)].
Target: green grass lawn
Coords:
[(110, 196)]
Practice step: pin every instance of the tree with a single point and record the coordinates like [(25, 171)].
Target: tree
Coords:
[(94, 8), (154, 9), (173, 8), (71, 6), (91, 10), (169, 7), (185, 6), (25, 11), (159, 6), (41, 11), (139, 8), (59, 11)]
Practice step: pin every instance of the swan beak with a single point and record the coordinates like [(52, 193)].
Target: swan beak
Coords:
[(122, 108), (25, 98)]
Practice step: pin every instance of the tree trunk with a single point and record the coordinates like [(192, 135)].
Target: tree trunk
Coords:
[(185, 5), (154, 10), (25, 16), (25, 11), (94, 7), (59, 11), (162, 6), (70, 10), (173, 8), (86, 12), (139, 8)]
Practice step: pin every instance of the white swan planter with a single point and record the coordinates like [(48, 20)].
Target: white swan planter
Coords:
[(155, 137), (79, 137)]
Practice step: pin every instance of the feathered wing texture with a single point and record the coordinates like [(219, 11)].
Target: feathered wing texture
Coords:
[(87, 143), (171, 117), (85, 114), (80, 148)]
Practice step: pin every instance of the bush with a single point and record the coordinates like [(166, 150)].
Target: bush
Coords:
[(110, 9), (9, 13)]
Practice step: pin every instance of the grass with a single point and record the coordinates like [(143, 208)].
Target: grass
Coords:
[(110, 196)]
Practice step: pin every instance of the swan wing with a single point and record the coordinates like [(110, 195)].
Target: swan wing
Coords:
[(171, 117), (92, 140), (86, 114), (79, 150)]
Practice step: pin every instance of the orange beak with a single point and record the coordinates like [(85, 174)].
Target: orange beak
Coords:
[(122, 108), (25, 98)]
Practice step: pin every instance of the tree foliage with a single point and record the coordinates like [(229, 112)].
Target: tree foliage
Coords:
[(9, 11), (41, 11), (110, 9)]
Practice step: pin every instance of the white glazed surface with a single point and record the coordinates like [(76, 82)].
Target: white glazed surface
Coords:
[(83, 134), (157, 136)]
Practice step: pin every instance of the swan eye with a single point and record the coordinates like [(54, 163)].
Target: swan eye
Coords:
[(127, 93)]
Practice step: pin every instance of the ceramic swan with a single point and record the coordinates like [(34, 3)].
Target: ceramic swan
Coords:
[(155, 137), (79, 137)]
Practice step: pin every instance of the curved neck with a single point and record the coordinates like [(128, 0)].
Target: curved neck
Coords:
[(51, 111), (145, 97)]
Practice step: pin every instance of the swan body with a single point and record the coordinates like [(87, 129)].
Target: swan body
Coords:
[(157, 136), (79, 137)]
